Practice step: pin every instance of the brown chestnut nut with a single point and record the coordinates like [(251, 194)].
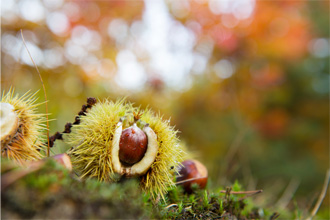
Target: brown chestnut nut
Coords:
[(132, 145), (194, 170)]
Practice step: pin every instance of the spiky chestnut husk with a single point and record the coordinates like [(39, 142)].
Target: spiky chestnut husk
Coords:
[(25, 141), (92, 145)]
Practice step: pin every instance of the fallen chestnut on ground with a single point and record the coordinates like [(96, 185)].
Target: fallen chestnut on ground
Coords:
[(192, 172)]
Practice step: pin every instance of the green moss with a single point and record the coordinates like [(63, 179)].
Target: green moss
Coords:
[(206, 204), (53, 192)]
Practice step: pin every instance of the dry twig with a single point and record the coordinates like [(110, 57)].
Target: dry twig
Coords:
[(171, 205), (243, 192), (249, 193)]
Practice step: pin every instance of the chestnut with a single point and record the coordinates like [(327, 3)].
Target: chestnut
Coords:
[(64, 160), (194, 170), (132, 145)]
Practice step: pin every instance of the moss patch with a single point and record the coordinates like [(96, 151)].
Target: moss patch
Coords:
[(53, 193)]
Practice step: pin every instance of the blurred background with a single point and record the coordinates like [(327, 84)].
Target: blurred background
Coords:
[(245, 82)]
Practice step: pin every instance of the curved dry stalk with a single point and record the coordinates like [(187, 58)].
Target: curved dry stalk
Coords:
[(249, 193), (44, 88), (321, 197), (171, 205), (288, 194), (191, 179), (243, 192)]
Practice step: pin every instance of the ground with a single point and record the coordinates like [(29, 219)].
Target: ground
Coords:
[(52, 192)]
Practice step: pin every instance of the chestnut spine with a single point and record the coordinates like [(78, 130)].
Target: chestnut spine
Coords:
[(95, 145), (21, 127)]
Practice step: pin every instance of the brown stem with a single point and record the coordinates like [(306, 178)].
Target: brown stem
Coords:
[(67, 129)]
